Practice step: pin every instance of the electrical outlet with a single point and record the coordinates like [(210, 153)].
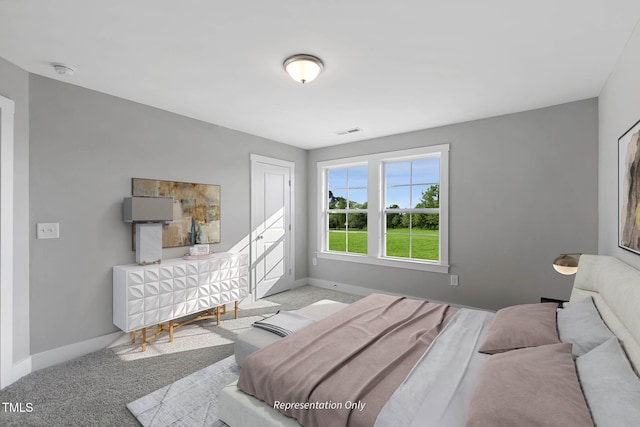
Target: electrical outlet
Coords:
[(314, 261), (454, 280), (48, 230)]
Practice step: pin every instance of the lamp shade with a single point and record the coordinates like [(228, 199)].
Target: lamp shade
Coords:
[(565, 264), (303, 68), (148, 209)]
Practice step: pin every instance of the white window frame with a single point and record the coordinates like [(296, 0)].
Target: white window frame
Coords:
[(375, 211)]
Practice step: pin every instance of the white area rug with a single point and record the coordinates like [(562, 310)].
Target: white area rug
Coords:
[(191, 401)]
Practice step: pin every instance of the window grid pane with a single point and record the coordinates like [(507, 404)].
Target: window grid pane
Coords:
[(347, 188), (411, 231), (347, 210), (417, 237)]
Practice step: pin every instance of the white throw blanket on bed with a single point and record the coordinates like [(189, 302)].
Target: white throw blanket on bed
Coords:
[(438, 390), (284, 323)]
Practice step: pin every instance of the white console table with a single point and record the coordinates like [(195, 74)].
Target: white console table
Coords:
[(154, 296)]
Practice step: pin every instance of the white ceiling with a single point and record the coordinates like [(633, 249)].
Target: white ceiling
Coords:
[(390, 67)]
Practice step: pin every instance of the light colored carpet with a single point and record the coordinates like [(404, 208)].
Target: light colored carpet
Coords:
[(261, 303), (201, 334), (93, 390), (189, 337), (190, 401)]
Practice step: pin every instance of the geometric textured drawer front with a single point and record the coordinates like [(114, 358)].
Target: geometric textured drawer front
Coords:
[(146, 295)]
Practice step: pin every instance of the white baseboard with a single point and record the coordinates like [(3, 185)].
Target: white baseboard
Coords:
[(21, 369), (300, 283), (71, 351), (359, 290), (124, 338), (343, 287)]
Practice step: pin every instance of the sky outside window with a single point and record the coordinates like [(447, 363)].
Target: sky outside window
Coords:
[(407, 180)]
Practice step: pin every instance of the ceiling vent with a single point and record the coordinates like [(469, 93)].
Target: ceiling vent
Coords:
[(348, 131)]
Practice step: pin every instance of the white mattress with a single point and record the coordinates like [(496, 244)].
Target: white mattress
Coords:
[(442, 362), (239, 409), (614, 286)]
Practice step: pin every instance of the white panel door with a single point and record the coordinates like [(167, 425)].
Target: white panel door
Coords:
[(271, 231)]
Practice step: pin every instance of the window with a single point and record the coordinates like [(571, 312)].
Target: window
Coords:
[(346, 214), (386, 209), (412, 208)]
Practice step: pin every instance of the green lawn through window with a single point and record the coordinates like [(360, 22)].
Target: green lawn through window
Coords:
[(425, 243)]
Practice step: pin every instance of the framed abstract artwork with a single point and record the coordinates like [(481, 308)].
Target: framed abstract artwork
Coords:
[(629, 189), (196, 210)]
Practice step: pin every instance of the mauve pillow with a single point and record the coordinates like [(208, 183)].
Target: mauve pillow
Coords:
[(520, 326), (529, 387), (580, 324)]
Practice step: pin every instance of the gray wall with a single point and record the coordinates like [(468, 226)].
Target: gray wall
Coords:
[(85, 148), (14, 84), (619, 109), (522, 191)]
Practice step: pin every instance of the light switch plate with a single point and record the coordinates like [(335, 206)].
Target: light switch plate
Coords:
[(48, 230)]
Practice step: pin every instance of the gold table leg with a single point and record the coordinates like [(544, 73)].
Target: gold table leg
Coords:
[(144, 339), (172, 326)]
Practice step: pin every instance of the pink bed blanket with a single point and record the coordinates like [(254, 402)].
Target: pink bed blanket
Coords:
[(341, 370)]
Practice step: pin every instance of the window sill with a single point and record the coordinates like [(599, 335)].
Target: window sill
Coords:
[(385, 262)]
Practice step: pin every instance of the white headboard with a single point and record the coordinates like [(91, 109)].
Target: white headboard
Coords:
[(615, 288)]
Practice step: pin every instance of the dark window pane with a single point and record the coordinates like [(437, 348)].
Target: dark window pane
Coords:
[(425, 223), (357, 221), (337, 221), (395, 221)]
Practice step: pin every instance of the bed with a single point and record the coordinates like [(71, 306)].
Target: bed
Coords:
[(584, 372)]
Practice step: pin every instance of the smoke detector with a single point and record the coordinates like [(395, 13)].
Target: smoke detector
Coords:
[(63, 69)]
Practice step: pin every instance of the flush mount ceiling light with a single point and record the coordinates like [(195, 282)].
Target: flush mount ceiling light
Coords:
[(303, 68), (63, 69)]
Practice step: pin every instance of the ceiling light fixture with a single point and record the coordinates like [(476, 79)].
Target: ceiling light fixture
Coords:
[(303, 68), (63, 69)]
